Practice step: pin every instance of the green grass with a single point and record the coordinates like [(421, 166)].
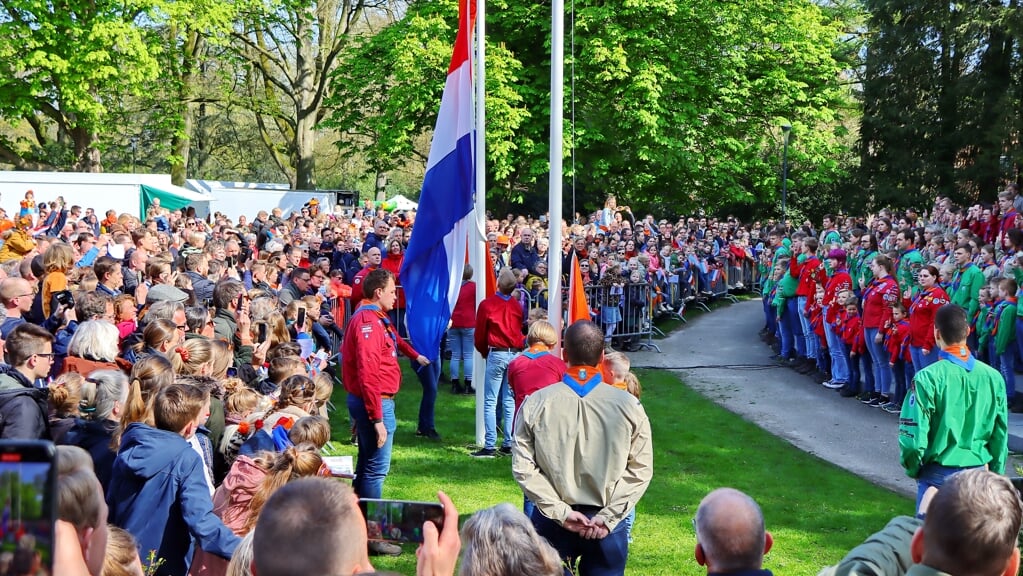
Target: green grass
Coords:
[(816, 511)]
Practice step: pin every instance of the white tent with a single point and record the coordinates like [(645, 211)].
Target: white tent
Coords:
[(124, 193), (402, 203), (248, 198)]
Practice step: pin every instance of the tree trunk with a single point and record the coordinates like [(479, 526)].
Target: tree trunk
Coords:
[(381, 186), (87, 157)]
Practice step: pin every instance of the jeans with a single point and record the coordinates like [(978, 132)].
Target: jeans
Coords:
[(793, 315), (921, 360), (460, 344), (933, 475), (809, 338), (603, 557), (879, 356), (1006, 367), (839, 361), (496, 384), (372, 463), (785, 333), (902, 375), (428, 376)]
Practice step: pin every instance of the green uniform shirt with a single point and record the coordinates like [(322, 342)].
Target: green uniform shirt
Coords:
[(965, 289), (1005, 327), (910, 263), (955, 416), (860, 268)]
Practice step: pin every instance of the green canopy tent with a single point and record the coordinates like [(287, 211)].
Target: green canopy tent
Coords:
[(173, 198)]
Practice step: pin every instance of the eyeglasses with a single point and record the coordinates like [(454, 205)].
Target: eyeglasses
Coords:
[(48, 356), (182, 327)]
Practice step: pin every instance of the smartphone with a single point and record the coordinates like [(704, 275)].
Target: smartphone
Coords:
[(28, 485), (241, 300), (64, 298), (300, 321), (262, 332), (399, 520)]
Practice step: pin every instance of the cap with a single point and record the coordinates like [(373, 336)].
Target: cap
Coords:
[(837, 254), (503, 240), (162, 292)]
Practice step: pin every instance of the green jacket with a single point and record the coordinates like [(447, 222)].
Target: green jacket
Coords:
[(982, 324), (859, 268), (910, 263), (965, 289), (955, 416), (1005, 325), (882, 554)]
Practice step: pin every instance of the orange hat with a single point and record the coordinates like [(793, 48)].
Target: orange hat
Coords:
[(314, 202), (503, 240)]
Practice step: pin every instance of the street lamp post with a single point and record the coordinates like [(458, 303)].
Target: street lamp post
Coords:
[(785, 129)]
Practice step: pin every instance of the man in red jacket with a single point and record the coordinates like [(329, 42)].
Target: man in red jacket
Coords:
[(371, 375), (498, 338)]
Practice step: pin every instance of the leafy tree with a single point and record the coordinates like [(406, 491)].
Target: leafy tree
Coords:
[(59, 64)]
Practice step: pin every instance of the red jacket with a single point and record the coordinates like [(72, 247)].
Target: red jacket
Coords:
[(878, 298), (464, 314), (393, 263), (838, 282), (534, 369), (896, 342), (921, 316), (1010, 220), (811, 273), (357, 283), (852, 335), (369, 357), (498, 324)]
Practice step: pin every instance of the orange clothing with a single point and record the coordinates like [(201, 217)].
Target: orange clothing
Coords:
[(52, 282)]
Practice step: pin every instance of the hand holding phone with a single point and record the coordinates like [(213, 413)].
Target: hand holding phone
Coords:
[(400, 520), (300, 320), (27, 469)]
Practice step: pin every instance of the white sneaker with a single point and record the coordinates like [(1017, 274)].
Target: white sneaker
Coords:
[(832, 385)]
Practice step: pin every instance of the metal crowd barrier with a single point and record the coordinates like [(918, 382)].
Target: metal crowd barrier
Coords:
[(624, 315)]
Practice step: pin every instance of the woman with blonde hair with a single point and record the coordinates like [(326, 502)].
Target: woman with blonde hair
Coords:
[(122, 558), (160, 337), (65, 398), (149, 375), (58, 260), (247, 487), (104, 397), (501, 541), (193, 357), (536, 367), (297, 400)]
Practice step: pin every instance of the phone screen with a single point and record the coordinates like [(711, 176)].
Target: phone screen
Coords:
[(262, 332), (300, 321), (27, 491), (399, 520), (241, 300)]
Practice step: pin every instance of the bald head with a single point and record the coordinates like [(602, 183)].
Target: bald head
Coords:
[(13, 289), (730, 532)]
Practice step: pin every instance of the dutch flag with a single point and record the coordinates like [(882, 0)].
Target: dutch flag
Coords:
[(431, 272)]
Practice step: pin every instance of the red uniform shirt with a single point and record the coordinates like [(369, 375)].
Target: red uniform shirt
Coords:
[(534, 369), (896, 342), (811, 273), (921, 316), (498, 324), (838, 282), (464, 314), (852, 335), (369, 357), (878, 298), (357, 295)]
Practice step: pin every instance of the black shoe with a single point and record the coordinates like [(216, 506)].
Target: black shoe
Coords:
[(484, 453), (444, 378), (847, 391), (505, 450), (468, 390), (456, 386), (384, 549), (430, 434), (878, 401), (865, 397)]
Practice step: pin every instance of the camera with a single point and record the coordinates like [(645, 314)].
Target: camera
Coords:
[(64, 298)]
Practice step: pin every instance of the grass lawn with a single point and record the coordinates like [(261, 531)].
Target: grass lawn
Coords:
[(816, 511)]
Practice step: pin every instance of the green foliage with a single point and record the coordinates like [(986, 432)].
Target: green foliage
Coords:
[(59, 64), (674, 102)]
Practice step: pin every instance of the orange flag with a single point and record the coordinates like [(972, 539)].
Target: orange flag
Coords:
[(578, 308), (491, 287)]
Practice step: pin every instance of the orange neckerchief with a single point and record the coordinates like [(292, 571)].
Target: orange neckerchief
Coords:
[(538, 347), (582, 373), (959, 351)]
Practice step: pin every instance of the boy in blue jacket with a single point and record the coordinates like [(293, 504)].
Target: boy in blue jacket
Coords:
[(158, 492)]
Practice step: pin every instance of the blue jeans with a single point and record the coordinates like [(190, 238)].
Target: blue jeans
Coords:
[(460, 344), (497, 385), (839, 360), (372, 463), (879, 357), (902, 374), (809, 338), (428, 376), (785, 333), (921, 360), (933, 475), (793, 316), (604, 557), (1005, 363)]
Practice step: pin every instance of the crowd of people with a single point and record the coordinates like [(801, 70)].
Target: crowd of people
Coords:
[(204, 352)]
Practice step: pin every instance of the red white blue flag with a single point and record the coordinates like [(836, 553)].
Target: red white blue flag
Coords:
[(431, 272)]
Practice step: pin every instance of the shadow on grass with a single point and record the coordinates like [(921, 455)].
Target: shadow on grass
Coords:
[(816, 511)]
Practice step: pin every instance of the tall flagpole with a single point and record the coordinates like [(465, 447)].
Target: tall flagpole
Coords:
[(478, 239), (554, 251)]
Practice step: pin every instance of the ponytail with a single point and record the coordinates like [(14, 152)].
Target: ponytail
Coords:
[(134, 411), (294, 462)]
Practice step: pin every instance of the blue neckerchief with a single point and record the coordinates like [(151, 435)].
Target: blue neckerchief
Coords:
[(535, 355), (502, 296), (967, 364), (582, 388)]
